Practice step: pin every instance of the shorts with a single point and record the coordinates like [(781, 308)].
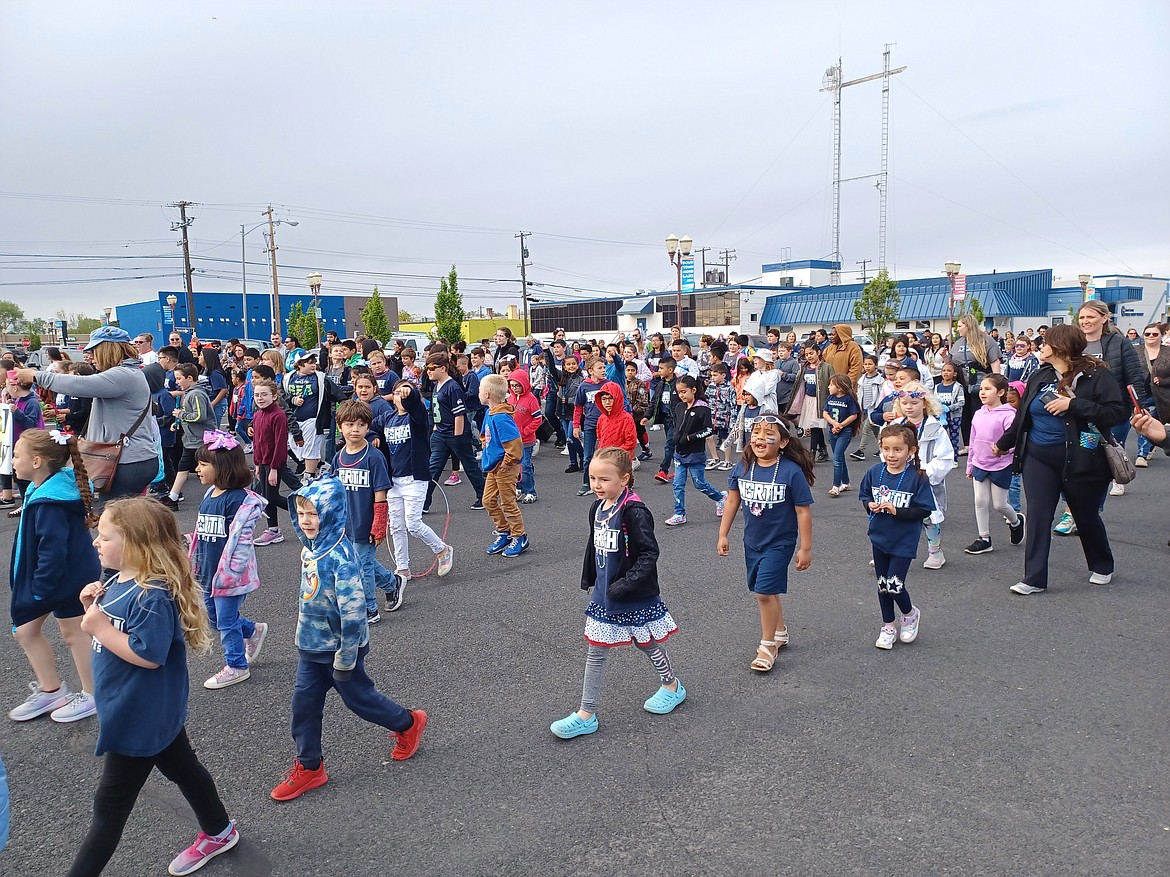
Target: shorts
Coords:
[(311, 449), (187, 461), (767, 571), (1001, 478)]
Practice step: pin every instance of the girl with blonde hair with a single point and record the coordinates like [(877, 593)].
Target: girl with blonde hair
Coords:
[(916, 406)]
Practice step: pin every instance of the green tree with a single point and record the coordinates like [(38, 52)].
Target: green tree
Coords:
[(374, 318), (969, 305), (449, 309), (878, 305), (303, 326), (35, 328), (77, 323), (405, 316), (11, 317)]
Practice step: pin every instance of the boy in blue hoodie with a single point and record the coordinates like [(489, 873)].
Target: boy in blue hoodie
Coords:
[(332, 640)]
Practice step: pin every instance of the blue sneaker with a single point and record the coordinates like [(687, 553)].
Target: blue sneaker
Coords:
[(664, 700), (573, 725), (519, 546), (502, 540)]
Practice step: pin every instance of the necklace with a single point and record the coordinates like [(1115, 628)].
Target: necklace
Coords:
[(882, 492), (757, 508), (613, 509), (345, 465)]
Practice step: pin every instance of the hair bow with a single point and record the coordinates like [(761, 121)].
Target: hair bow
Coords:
[(218, 440), (60, 436)]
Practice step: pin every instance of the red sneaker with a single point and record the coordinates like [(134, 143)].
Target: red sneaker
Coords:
[(662, 477), (298, 781), (407, 741)]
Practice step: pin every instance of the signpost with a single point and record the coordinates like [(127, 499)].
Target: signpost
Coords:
[(960, 287)]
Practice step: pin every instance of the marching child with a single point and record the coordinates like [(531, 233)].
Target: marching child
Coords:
[(222, 555), (529, 415), (570, 379), (621, 568), (692, 425), (991, 475), (615, 425), (772, 482), (869, 394), (841, 414), (362, 471), (333, 637), (585, 415), (194, 418), (142, 621), (27, 413), (741, 427), (952, 396), (638, 395), (410, 371), (269, 452), (661, 413), (897, 495), (502, 449), (721, 400), (53, 558)]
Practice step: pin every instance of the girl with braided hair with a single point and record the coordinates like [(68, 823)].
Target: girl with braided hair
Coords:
[(52, 560)]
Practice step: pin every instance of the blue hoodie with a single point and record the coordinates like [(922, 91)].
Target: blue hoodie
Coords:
[(53, 556), (332, 623)]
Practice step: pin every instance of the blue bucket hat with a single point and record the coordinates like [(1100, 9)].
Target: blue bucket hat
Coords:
[(107, 333)]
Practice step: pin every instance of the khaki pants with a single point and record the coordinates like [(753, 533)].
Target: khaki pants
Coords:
[(499, 498)]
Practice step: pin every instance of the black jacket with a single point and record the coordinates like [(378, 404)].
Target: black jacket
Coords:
[(661, 411), (1125, 363), (691, 427), (1099, 400), (637, 577)]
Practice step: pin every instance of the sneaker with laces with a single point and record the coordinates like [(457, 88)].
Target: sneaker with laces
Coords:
[(675, 520), (299, 780), (1140, 462), (887, 637), (934, 560), (725, 466), (909, 630), (584, 490), (663, 477), (406, 742), (1066, 526), (446, 557), (254, 643), (453, 480), (536, 447), (227, 676), (271, 536), (202, 851), (1117, 489), (857, 455), (1016, 533), (393, 599), (644, 456), (80, 706), (40, 702), (573, 467), (565, 452), (710, 464), (720, 503), (502, 540), (516, 547), (527, 498), (373, 616), (979, 546), (477, 506), (1024, 589)]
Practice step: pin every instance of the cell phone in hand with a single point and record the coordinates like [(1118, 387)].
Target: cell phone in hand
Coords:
[(1049, 396), (1137, 406)]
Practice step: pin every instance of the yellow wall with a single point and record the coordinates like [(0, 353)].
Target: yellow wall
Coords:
[(473, 330)]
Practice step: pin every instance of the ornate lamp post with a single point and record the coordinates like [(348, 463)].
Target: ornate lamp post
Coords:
[(952, 269), (315, 285), (676, 248)]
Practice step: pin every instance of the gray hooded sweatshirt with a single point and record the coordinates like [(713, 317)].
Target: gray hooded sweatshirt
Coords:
[(119, 395)]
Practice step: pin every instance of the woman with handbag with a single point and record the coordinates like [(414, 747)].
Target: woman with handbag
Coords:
[(1059, 436), (1155, 356), (976, 355), (120, 443)]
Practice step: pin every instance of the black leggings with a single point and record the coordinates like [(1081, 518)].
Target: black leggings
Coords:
[(816, 440), (123, 777), (271, 493)]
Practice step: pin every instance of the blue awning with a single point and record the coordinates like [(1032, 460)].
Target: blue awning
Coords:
[(637, 306)]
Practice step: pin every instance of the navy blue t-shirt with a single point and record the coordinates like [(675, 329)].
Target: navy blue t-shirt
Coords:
[(447, 406), (1047, 429), (216, 514), (304, 387), (386, 382), (217, 382), (589, 412), (769, 496), (841, 407), (889, 533), (396, 435), (608, 550), (362, 474), (140, 711), (810, 380)]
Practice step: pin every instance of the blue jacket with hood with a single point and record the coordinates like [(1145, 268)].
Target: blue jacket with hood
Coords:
[(53, 556), (332, 623)]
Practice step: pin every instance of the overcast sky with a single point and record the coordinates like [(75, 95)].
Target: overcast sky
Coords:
[(404, 137)]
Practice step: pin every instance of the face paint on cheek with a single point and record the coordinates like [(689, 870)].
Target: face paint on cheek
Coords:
[(770, 440)]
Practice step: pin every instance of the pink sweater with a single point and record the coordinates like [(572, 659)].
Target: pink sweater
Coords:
[(987, 425)]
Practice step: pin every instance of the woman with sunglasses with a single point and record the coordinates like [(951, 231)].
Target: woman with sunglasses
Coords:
[(1022, 363), (1059, 449), (1155, 356)]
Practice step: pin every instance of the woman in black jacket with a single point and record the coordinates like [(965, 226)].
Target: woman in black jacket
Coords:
[(1069, 405)]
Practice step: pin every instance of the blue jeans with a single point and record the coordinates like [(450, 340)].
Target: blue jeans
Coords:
[(375, 577), (1014, 493), (839, 442), (220, 411), (358, 693), (234, 628), (668, 450), (527, 473), (444, 446), (242, 430), (680, 485), (589, 439), (550, 414), (576, 449)]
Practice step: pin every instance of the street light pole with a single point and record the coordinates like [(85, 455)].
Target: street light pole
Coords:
[(676, 249), (315, 285), (1085, 280), (952, 269), (173, 301)]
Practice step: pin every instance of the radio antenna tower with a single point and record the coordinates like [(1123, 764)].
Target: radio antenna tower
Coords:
[(831, 82)]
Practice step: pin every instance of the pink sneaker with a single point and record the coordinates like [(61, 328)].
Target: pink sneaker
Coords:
[(453, 480), (201, 852), (271, 536), (227, 676)]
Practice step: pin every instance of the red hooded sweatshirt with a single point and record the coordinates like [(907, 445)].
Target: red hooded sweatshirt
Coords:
[(616, 429), (528, 415)]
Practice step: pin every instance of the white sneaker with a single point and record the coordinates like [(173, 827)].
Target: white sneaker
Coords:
[(1101, 578), (1117, 489), (887, 637), (565, 452), (80, 706), (675, 520), (1140, 462), (1025, 590), (40, 702), (445, 558), (536, 447), (934, 560), (909, 630), (227, 676)]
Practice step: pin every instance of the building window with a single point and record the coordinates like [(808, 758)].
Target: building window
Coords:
[(576, 317), (700, 310), (755, 317), (902, 324)]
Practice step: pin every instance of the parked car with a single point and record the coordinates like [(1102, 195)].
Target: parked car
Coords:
[(39, 359)]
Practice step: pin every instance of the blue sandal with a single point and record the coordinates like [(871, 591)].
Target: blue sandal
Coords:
[(664, 700), (573, 725)]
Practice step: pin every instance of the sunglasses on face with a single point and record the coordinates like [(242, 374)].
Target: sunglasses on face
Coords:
[(1152, 334)]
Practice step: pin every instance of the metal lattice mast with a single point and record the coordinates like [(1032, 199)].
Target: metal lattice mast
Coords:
[(882, 182), (832, 82)]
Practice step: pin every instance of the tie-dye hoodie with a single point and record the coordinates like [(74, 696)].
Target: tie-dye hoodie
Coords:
[(332, 620)]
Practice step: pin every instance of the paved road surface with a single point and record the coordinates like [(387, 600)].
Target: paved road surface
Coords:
[(1016, 736)]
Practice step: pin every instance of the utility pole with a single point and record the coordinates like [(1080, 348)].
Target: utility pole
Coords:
[(727, 256), (703, 255), (524, 277), (863, 263), (277, 323), (182, 226)]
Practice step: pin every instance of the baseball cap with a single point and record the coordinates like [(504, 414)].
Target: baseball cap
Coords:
[(107, 333), (305, 357), (765, 354)]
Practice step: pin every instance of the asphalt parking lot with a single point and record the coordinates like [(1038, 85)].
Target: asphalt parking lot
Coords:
[(1018, 735)]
